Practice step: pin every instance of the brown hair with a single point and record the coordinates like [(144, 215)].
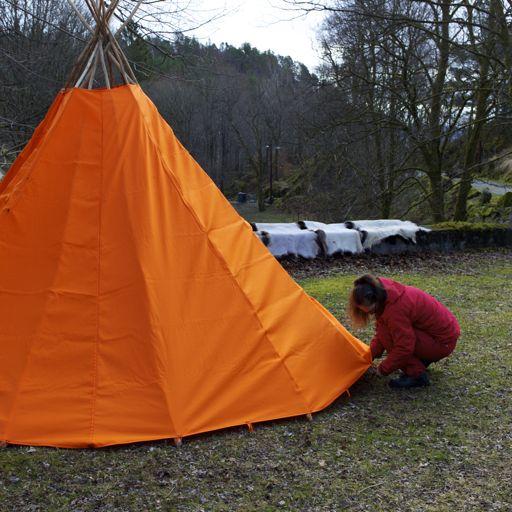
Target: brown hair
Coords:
[(367, 291)]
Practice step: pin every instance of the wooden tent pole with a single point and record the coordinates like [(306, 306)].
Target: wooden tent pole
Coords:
[(103, 15), (97, 8), (84, 56), (117, 52), (124, 59), (115, 44), (130, 17), (110, 51), (105, 39), (87, 66), (103, 47), (92, 74), (97, 39), (104, 66), (110, 11), (80, 16), (92, 8), (126, 78)]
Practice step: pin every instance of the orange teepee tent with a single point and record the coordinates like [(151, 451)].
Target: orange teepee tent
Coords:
[(135, 303)]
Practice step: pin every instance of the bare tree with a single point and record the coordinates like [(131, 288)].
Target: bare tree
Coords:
[(485, 26), (406, 66)]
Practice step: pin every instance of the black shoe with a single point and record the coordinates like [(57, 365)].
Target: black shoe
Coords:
[(405, 381)]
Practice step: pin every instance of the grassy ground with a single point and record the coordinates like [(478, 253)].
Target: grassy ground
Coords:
[(444, 448)]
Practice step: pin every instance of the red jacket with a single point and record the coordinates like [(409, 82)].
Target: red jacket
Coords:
[(406, 309)]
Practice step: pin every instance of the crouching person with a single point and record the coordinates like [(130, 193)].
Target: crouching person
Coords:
[(412, 327)]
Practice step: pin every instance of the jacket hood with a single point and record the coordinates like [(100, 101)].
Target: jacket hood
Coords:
[(393, 289)]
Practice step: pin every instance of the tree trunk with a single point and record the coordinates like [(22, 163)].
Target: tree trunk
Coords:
[(435, 167), (470, 159), (387, 200), (475, 130), (260, 175), (437, 197)]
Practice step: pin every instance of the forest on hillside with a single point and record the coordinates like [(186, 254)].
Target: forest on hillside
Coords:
[(412, 101)]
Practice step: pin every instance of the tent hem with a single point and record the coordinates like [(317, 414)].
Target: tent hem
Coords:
[(77, 446)]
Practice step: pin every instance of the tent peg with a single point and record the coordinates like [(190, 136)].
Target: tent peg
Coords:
[(177, 441), (309, 417), (250, 427)]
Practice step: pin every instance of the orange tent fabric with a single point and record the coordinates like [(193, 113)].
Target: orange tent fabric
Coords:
[(135, 303)]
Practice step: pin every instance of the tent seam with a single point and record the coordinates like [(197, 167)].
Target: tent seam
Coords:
[(98, 289), (222, 259), (163, 386), (266, 335)]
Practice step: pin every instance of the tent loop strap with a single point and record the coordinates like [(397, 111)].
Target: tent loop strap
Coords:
[(250, 427)]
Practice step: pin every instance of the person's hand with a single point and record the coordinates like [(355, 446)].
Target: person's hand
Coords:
[(374, 370)]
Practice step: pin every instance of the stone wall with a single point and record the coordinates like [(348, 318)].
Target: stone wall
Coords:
[(446, 241)]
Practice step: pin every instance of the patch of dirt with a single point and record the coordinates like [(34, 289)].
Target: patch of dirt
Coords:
[(472, 262)]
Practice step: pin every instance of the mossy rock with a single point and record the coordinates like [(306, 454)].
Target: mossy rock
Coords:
[(466, 226), (485, 197)]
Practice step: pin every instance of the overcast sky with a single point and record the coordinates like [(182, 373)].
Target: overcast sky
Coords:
[(263, 24)]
